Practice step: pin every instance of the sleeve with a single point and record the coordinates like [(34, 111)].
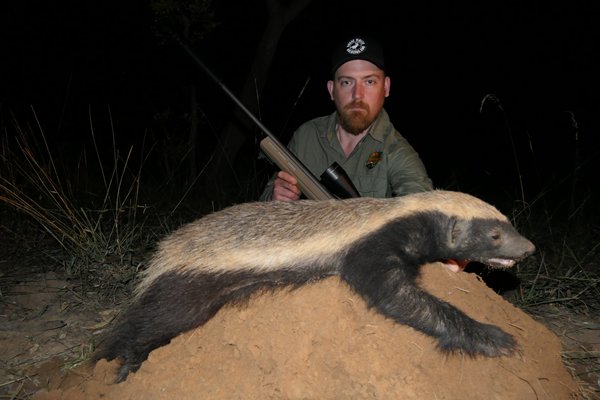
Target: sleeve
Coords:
[(407, 173)]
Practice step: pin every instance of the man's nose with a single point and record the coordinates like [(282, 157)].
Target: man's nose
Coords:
[(359, 91)]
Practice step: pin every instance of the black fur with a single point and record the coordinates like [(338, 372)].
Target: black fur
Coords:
[(382, 267), (177, 303)]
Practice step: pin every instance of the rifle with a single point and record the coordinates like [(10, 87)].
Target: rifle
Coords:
[(334, 182)]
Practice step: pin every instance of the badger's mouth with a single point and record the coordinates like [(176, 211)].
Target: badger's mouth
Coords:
[(499, 263)]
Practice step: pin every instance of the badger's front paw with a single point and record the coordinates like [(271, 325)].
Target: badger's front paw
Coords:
[(480, 339)]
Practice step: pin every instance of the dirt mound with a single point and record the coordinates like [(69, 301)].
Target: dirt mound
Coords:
[(321, 342)]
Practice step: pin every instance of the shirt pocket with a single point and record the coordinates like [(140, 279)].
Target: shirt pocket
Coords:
[(372, 183)]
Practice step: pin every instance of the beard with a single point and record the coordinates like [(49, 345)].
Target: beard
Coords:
[(355, 121)]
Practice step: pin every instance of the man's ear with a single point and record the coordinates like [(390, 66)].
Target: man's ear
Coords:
[(330, 89), (387, 84)]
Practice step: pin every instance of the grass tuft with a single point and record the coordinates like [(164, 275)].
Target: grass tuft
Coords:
[(93, 230)]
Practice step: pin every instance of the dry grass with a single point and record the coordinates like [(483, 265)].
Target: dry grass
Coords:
[(93, 230)]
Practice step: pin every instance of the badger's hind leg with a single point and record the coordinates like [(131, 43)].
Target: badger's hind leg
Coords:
[(172, 304), (394, 293), (175, 303)]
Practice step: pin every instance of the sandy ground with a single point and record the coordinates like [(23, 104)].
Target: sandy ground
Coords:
[(321, 342)]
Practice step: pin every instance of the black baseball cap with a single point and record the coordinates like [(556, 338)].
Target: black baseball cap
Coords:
[(357, 48)]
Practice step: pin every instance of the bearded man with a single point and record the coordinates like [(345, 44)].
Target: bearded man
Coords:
[(359, 135)]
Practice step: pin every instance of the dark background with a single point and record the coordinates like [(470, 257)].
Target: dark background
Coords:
[(540, 58)]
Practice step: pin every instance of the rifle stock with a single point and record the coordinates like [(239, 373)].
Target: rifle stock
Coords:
[(286, 161)]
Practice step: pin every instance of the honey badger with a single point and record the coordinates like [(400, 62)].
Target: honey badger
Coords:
[(376, 246)]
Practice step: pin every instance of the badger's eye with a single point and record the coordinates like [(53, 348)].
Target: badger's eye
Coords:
[(496, 236)]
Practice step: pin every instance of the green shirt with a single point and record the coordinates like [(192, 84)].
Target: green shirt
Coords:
[(383, 163)]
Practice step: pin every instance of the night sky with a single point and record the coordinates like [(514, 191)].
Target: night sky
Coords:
[(540, 58)]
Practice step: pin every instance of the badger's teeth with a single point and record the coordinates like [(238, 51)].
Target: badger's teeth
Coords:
[(501, 262)]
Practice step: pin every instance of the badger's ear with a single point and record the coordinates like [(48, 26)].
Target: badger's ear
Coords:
[(456, 229)]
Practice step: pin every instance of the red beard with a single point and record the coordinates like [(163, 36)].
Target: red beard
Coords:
[(355, 117)]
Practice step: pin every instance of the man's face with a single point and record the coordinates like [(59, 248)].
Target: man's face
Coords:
[(359, 90)]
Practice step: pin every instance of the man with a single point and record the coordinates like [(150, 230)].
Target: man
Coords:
[(358, 135)]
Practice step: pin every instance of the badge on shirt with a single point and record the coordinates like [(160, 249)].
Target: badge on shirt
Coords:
[(374, 158)]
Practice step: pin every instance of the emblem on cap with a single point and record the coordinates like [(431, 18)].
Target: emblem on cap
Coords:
[(356, 46), (374, 159)]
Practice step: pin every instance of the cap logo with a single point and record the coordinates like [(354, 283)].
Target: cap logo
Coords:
[(356, 46)]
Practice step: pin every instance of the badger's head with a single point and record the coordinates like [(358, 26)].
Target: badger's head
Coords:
[(493, 242), (469, 229)]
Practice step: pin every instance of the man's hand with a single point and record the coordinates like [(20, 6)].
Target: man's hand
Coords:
[(285, 187)]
